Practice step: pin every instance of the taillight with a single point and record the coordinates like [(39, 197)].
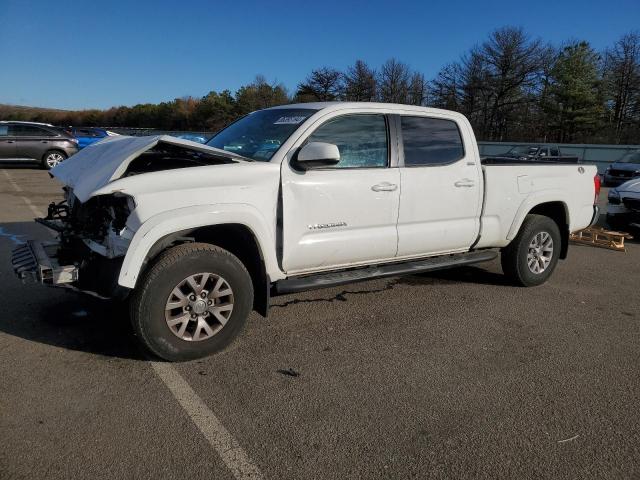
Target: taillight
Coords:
[(596, 186)]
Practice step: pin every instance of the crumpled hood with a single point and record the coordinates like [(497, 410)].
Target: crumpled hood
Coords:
[(100, 163)]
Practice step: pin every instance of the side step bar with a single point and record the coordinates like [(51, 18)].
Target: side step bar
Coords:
[(332, 279)]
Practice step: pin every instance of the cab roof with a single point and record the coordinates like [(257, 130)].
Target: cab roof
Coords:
[(389, 107)]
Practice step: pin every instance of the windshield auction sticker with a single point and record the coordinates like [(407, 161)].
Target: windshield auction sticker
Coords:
[(289, 120)]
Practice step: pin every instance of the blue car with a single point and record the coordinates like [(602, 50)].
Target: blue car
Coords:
[(88, 135), (194, 137)]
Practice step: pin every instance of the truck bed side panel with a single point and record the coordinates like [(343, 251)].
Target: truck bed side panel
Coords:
[(512, 191)]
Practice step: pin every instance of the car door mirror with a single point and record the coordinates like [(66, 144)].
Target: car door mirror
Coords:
[(318, 154)]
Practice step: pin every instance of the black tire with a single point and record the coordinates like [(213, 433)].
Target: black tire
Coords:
[(514, 257), (48, 158), (148, 302)]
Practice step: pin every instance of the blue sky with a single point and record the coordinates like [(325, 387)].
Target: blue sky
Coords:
[(100, 54)]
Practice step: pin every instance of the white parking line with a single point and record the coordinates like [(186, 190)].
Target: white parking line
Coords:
[(36, 211), (13, 183), (227, 447)]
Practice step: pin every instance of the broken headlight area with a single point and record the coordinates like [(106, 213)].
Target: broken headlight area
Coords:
[(171, 157), (100, 223), (92, 240)]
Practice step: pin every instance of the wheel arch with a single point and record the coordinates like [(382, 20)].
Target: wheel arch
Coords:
[(233, 237), (556, 210), (240, 233)]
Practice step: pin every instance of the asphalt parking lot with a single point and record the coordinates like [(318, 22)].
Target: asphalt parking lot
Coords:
[(447, 375)]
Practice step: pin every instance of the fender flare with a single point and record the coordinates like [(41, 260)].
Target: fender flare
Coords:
[(172, 221), (532, 201)]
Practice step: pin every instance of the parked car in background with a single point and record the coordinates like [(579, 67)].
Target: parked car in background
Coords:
[(88, 135), (623, 170), (24, 122), (194, 137), (623, 210), (35, 143), (538, 153)]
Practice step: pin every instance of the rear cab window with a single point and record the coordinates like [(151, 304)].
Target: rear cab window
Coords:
[(429, 141)]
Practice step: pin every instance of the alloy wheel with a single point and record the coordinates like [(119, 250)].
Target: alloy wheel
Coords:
[(199, 307)]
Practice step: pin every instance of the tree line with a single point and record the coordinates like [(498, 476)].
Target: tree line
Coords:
[(512, 87)]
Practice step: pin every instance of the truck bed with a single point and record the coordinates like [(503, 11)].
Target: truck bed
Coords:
[(512, 188), (497, 160)]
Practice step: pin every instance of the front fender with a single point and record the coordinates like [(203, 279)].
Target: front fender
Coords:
[(172, 221)]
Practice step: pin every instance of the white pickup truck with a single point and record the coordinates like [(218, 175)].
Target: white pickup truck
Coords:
[(294, 198)]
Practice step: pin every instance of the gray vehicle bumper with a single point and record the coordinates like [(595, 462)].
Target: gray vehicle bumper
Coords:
[(35, 262)]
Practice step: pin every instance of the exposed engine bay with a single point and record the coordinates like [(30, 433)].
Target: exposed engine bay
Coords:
[(165, 156), (91, 222), (92, 236)]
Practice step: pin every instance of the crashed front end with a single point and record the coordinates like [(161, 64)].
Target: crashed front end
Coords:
[(92, 239), (91, 223)]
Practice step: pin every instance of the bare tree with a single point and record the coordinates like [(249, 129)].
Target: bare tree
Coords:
[(360, 83), (324, 84), (445, 88), (417, 94), (514, 64), (393, 82), (622, 80)]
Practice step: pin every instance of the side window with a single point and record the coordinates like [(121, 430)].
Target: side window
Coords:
[(555, 152), (430, 141), (31, 131), (361, 139), (4, 130), (84, 132), (542, 152)]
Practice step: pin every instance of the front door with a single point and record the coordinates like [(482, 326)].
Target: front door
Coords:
[(346, 214), (7, 143)]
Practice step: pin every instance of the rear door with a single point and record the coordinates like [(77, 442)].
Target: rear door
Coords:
[(442, 185), (346, 214), (32, 141), (7, 143)]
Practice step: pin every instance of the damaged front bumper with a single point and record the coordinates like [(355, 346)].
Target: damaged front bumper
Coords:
[(36, 262), (39, 263)]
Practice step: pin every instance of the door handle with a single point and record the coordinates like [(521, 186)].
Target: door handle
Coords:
[(384, 187), (11, 141), (465, 182)]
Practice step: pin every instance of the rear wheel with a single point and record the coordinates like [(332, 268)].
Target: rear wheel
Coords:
[(192, 302), (52, 158), (532, 256)]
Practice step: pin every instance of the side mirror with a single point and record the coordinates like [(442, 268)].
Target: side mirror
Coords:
[(318, 154)]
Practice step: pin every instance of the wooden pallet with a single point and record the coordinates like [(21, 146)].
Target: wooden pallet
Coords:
[(599, 237)]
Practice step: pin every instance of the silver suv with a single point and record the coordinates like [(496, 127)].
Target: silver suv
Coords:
[(35, 142)]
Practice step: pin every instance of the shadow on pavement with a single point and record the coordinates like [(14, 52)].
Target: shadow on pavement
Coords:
[(72, 321), (55, 316), (467, 274)]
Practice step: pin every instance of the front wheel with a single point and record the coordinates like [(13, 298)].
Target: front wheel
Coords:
[(52, 158), (532, 256), (192, 302)]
